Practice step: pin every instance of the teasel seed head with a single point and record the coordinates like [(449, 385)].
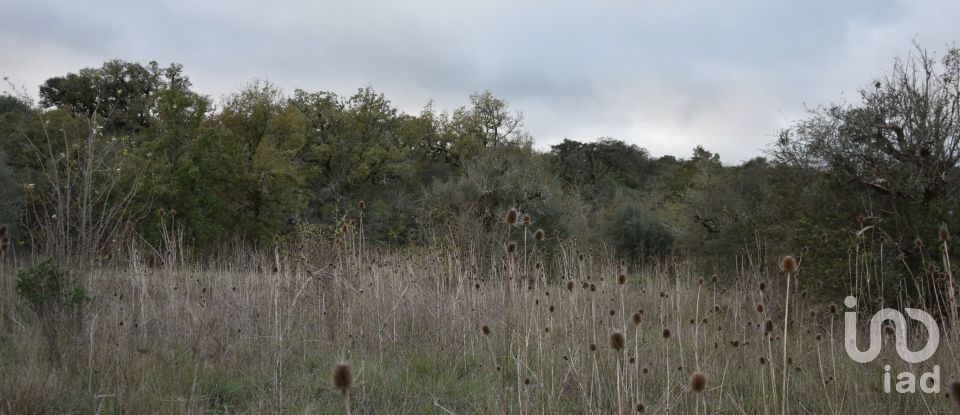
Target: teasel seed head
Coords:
[(637, 318), (918, 243), (788, 264), (698, 382), (361, 204), (666, 333), (569, 285), (539, 235), (944, 233), (511, 217), (621, 279), (832, 309), (955, 392), (700, 281), (526, 220), (768, 327), (485, 329), (759, 307), (342, 377), (511, 248), (617, 341)]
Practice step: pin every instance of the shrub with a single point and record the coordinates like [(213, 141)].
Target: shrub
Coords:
[(637, 232), (55, 298)]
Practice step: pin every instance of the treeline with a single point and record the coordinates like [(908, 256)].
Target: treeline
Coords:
[(129, 150)]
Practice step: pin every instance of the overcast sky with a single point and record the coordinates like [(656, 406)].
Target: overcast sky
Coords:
[(666, 75)]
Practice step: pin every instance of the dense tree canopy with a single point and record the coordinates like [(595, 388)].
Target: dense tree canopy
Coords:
[(261, 164)]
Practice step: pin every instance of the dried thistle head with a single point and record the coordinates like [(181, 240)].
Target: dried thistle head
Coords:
[(539, 235), (511, 217), (698, 382), (788, 264), (342, 377), (617, 341)]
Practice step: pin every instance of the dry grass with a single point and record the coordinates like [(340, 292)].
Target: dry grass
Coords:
[(241, 337)]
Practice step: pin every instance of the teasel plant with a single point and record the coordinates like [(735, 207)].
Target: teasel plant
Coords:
[(618, 343), (789, 266), (343, 380), (943, 234), (4, 301)]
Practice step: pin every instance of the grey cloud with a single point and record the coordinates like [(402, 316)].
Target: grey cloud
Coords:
[(664, 75)]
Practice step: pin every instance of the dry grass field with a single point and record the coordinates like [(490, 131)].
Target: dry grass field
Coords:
[(445, 330)]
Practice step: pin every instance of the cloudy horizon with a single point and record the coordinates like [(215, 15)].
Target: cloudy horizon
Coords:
[(666, 77)]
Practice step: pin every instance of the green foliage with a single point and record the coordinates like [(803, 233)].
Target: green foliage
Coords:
[(637, 232), (15, 117), (120, 92), (600, 167), (266, 165), (472, 204), (10, 194), (47, 285)]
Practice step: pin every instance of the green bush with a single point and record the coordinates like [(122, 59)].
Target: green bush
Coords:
[(637, 232), (10, 195), (46, 285), (57, 301)]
